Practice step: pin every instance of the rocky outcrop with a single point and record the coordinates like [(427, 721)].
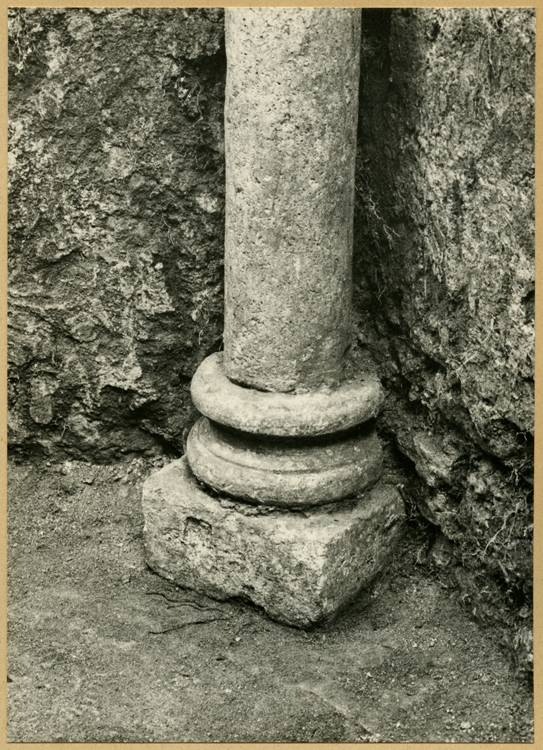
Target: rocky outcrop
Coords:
[(116, 224), (445, 257)]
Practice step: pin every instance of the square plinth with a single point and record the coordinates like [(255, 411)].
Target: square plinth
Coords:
[(300, 567)]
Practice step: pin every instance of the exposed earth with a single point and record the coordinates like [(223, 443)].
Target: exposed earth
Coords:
[(100, 649)]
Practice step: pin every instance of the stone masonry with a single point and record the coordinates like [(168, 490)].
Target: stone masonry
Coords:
[(278, 498)]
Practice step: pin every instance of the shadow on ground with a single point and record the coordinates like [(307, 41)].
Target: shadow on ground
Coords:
[(103, 650)]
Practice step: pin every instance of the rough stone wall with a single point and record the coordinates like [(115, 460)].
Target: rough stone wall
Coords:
[(445, 270), (116, 224)]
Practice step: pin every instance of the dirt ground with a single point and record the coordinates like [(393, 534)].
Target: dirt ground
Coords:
[(100, 649)]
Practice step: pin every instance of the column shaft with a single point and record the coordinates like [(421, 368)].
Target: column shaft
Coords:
[(290, 139)]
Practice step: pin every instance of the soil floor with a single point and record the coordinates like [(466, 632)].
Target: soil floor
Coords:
[(101, 649)]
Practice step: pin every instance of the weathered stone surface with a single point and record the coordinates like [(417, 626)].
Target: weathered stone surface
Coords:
[(444, 273), (318, 412), (300, 567), (283, 472), (116, 221), (445, 182), (435, 456), (290, 143)]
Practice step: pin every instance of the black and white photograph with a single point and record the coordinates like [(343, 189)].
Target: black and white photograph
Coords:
[(271, 351)]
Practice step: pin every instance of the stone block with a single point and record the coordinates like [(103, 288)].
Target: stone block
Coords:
[(300, 567)]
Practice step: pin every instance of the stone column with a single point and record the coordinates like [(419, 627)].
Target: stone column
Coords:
[(278, 498), (290, 138)]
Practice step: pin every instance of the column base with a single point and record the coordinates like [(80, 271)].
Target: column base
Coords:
[(324, 411), (300, 567), (285, 473)]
